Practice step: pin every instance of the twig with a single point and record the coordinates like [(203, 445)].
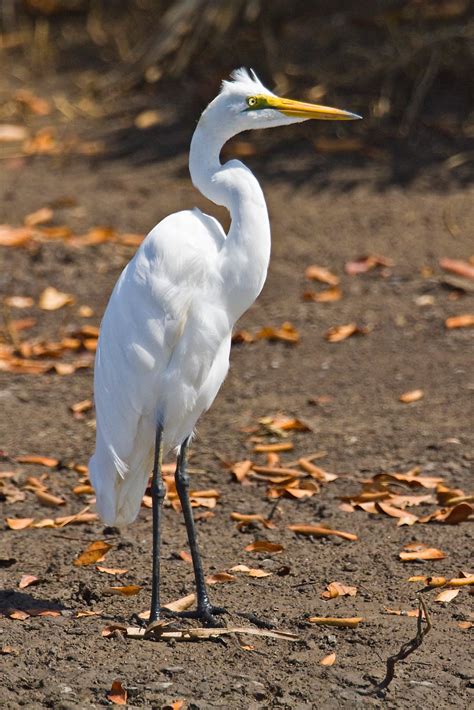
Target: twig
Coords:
[(406, 650)]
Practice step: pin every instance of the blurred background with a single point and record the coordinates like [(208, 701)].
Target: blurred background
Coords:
[(128, 78)]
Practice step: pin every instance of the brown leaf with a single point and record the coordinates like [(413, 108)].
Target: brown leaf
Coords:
[(51, 299), (83, 489), (336, 589), (19, 523), (447, 595), (429, 581), (320, 531), (244, 519), (45, 214), (112, 629), (418, 551), (465, 625), (404, 518), (281, 446), (14, 236), (243, 336), (329, 295), (39, 460), (457, 266), (340, 332), (27, 580), (401, 612), (49, 499), (240, 469), (287, 332), (117, 694), (264, 546), (82, 406), (127, 591), (463, 321), (19, 301), (220, 578), (366, 263), (347, 622), (284, 424), (251, 572), (315, 471), (9, 651), (111, 570), (186, 557), (411, 396), (321, 273), (95, 552), (18, 615), (328, 660)]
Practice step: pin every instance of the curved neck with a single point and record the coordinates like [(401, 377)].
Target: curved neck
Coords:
[(246, 252)]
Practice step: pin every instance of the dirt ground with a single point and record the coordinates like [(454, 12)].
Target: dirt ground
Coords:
[(63, 662)]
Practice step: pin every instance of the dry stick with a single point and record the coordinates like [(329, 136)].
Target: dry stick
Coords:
[(406, 650)]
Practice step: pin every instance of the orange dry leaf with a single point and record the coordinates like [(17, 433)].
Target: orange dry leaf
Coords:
[(82, 406), (266, 448), (220, 578), (18, 615), (287, 332), (457, 266), (411, 396), (178, 605), (83, 489), (40, 460), (329, 295), (463, 321), (328, 660), (447, 595), (251, 572), (27, 580), (51, 299), (19, 301), (264, 546), (341, 332), (185, 556), (366, 263), (244, 519), (348, 622), (400, 612), (243, 336), (320, 531), (19, 523), (9, 132), (111, 570), (49, 499), (336, 589), (117, 694), (429, 581), (315, 471), (95, 552), (284, 424), (45, 214), (321, 273), (465, 625), (14, 236), (404, 518), (418, 551), (240, 469), (128, 591)]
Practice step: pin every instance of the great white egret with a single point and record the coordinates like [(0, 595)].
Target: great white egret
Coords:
[(164, 343)]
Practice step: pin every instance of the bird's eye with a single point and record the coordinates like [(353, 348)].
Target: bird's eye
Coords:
[(251, 101)]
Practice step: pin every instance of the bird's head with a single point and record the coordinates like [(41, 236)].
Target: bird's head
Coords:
[(244, 103)]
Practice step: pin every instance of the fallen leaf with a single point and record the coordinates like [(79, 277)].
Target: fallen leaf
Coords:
[(19, 523), (321, 273), (336, 589), (240, 469), (85, 311), (429, 581), (348, 622), (461, 581), (320, 531), (127, 591), (411, 396), (51, 299), (315, 471), (264, 546), (404, 517), (186, 557), (81, 614), (418, 551), (243, 336), (49, 499), (14, 236), (400, 612), (11, 133), (447, 595), (463, 321), (287, 332), (220, 578), (111, 570), (45, 214), (284, 424), (18, 615), (9, 651), (19, 301), (117, 694), (328, 660), (95, 552), (340, 332), (457, 266), (366, 263), (251, 572), (205, 633), (465, 625), (329, 295), (111, 630), (179, 605), (147, 119), (39, 460), (82, 406), (27, 580), (243, 520), (281, 446)]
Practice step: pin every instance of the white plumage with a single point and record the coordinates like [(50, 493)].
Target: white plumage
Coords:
[(164, 345)]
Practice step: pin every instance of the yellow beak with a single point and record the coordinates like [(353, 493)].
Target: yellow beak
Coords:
[(300, 109)]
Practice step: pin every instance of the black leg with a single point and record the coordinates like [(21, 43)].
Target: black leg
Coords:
[(157, 495), (205, 611)]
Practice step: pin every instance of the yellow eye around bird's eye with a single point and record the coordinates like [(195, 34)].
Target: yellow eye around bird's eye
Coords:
[(251, 101)]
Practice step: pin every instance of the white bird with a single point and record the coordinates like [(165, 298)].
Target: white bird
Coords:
[(165, 338)]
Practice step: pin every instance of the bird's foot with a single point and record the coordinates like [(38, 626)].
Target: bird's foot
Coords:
[(206, 613)]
